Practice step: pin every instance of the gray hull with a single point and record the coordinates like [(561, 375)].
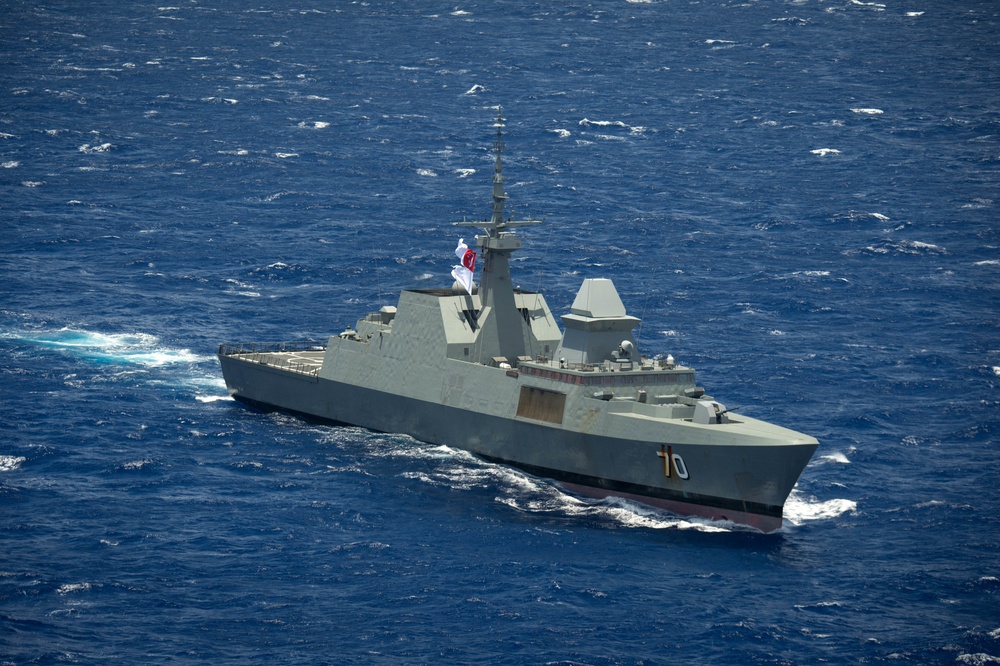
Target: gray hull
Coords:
[(741, 483)]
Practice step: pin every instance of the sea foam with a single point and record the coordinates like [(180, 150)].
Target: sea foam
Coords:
[(10, 463), (132, 348), (800, 509)]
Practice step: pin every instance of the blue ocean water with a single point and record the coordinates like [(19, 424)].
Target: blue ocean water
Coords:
[(799, 198)]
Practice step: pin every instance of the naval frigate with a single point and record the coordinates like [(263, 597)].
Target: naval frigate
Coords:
[(486, 369)]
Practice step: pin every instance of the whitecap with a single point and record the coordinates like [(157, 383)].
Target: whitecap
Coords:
[(212, 398), (10, 463), (426, 172), (32, 183), (88, 149), (286, 155), (73, 587), (465, 173), (906, 247), (836, 458), (819, 604), (860, 216), (587, 122), (924, 246), (978, 659), (978, 203), (912, 14), (868, 112), (13, 164), (799, 509), (475, 89), (823, 152), (563, 133), (424, 276)]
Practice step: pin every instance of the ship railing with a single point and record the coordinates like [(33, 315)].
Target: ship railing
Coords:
[(281, 355), (228, 349), (642, 363)]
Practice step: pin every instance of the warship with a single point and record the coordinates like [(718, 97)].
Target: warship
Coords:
[(487, 369)]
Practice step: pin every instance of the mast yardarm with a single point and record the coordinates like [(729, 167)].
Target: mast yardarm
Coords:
[(497, 225)]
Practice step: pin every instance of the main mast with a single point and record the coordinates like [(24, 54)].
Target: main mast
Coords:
[(499, 195), (502, 330)]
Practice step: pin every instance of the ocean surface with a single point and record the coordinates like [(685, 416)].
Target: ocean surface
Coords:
[(800, 198)]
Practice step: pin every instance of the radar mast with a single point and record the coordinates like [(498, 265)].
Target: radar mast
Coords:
[(503, 331)]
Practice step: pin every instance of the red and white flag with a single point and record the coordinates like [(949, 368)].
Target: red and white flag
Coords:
[(463, 273)]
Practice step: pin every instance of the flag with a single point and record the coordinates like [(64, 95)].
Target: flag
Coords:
[(463, 272)]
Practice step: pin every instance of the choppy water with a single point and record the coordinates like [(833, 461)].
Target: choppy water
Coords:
[(799, 198)]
